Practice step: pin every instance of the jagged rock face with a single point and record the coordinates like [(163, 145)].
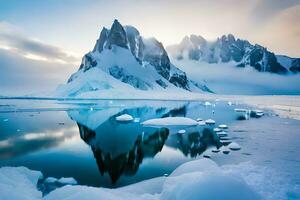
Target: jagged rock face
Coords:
[(100, 42), (295, 66), (136, 82), (231, 49), (226, 49), (180, 80), (117, 36), (156, 55), (145, 51)]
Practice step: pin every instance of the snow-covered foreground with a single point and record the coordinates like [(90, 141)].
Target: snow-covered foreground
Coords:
[(200, 178)]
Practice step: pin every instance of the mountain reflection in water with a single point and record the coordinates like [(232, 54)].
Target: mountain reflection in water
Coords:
[(119, 148)]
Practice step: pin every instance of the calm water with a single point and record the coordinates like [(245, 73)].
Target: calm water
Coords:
[(82, 139)]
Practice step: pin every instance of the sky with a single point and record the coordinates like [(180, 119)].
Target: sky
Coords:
[(57, 33)]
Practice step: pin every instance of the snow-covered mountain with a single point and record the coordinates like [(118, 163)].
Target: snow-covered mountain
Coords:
[(229, 49), (122, 60)]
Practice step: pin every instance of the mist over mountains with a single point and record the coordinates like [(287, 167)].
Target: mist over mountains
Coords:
[(227, 48)]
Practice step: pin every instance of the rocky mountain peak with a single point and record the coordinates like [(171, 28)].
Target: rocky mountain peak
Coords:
[(117, 36), (121, 52)]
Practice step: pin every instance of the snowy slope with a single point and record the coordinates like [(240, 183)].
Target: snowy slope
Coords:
[(123, 61), (292, 64)]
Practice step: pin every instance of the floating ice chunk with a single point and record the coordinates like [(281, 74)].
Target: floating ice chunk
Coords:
[(207, 103), (199, 119), (225, 138), (240, 110), (182, 131), (225, 149), (222, 134), (136, 120), (223, 126), (210, 121), (206, 155), (217, 130), (18, 130), (225, 142), (201, 123), (69, 181), (215, 150), (242, 113), (234, 146), (256, 113), (5, 120), (229, 103), (51, 180), (124, 117), (171, 121)]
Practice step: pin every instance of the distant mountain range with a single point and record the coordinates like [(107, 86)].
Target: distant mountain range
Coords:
[(227, 48), (122, 61)]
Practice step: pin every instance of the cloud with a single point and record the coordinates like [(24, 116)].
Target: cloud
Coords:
[(228, 79), (22, 76), (13, 40), (266, 9)]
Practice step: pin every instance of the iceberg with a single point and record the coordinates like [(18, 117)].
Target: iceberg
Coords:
[(124, 118), (171, 121)]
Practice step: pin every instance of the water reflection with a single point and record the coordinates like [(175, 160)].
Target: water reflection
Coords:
[(146, 145), (119, 148), (103, 149), (194, 143)]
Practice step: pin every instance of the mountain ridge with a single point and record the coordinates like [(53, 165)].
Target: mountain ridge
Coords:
[(121, 54), (228, 48)]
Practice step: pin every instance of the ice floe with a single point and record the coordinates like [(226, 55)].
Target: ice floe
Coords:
[(207, 103), (171, 121), (217, 130), (182, 131), (222, 134), (68, 180), (201, 123), (223, 126), (199, 119), (234, 146), (124, 118), (210, 121)]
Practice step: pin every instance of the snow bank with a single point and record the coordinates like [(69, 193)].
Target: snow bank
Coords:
[(171, 121), (19, 183), (199, 178)]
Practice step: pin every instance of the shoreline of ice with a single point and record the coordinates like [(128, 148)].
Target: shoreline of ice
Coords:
[(202, 177)]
